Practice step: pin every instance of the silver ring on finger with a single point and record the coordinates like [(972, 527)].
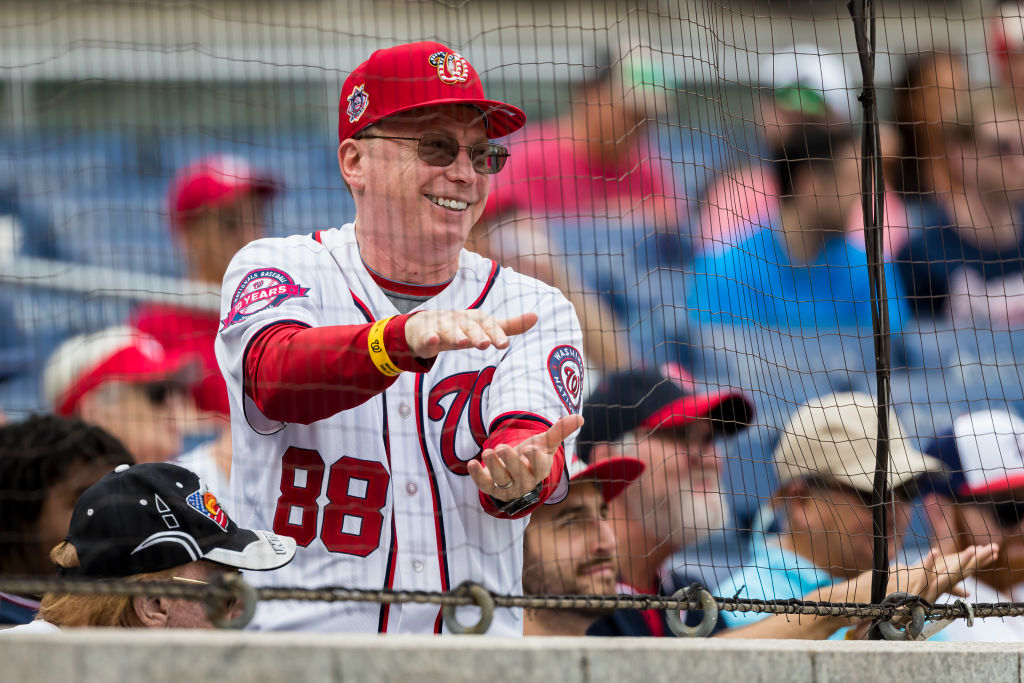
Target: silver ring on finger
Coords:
[(506, 487)]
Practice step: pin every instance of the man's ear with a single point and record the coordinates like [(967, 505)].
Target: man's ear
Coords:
[(89, 408), (350, 163), (151, 611), (791, 501)]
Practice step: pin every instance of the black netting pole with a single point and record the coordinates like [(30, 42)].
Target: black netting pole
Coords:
[(873, 202)]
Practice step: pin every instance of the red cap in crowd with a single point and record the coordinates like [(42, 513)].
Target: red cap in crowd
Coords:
[(613, 475), (116, 354), (415, 75), (215, 180)]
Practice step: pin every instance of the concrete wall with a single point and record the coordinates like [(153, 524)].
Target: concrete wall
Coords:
[(176, 656)]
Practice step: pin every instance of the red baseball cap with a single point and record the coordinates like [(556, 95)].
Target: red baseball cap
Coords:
[(215, 180), (425, 74), (612, 474), (116, 354)]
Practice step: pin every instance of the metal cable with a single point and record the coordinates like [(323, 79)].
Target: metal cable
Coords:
[(214, 592)]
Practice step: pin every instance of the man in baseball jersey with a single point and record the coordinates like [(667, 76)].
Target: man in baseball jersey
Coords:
[(398, 403)]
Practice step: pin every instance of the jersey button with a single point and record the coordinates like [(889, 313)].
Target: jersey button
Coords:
[(404, 410), (417, 565), (411, 488)]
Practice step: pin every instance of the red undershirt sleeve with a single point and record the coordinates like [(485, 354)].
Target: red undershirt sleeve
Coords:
[(513, 432), (302, 374)]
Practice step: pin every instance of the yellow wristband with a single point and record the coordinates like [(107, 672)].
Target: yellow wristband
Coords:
[(378, 354)]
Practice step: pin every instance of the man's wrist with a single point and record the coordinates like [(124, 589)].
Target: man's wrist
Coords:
[(517, 505)]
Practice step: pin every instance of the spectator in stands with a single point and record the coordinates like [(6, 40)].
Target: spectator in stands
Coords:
[(825, 461), (570, 549), (798, 87), (982, 501), (125, 382), (217, 206), (931, 94), (120, 530), (971, 266), (800, 270), (594, 165), (573, 547), (45, 464), (678, 500)]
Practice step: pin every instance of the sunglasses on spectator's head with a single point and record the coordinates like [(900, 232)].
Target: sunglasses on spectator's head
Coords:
[(439, 149)]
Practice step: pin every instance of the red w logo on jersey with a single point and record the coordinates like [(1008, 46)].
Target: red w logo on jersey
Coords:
[(468, 388)]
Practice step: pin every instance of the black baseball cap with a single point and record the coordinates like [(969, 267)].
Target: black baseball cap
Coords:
[(156, 516), (625, 401)]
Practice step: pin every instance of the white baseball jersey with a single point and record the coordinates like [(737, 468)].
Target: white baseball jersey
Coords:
[(378, 496)]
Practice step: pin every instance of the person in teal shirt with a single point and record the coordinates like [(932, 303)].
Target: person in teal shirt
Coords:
[(800, 270), (825, 462)]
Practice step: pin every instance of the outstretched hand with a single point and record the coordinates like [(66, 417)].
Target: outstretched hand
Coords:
[(935, 575), (508, 472), (428, 333)]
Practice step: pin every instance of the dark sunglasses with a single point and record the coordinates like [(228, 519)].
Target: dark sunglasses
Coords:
[(438, 149), (1008, 513), (157, 393)]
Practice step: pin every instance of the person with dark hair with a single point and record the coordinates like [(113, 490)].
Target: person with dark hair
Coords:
[(45, 464), (929, 94), (796, 87), (800, 269)]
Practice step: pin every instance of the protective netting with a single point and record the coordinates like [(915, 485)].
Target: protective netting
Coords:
[(766, 217)]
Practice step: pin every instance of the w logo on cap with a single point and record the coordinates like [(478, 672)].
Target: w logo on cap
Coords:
[(451, 67)]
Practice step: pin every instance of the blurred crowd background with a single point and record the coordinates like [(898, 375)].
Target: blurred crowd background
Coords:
[(652, 185)]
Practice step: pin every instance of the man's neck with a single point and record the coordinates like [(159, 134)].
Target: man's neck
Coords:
[(640, 560), (802, 545), (803, 241), (392, 260), (551, 622)]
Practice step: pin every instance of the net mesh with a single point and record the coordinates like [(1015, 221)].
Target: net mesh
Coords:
[(689, 179)]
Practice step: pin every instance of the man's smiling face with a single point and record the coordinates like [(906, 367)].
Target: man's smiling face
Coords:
[(435, 206)]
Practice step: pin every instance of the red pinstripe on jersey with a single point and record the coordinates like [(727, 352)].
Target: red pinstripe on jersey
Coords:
[(435, 497)]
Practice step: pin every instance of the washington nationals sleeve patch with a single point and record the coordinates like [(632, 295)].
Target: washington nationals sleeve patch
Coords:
[(259, 290), (565, 365)]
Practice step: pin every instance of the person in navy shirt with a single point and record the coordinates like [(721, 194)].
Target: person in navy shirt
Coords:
[(972, 264)]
